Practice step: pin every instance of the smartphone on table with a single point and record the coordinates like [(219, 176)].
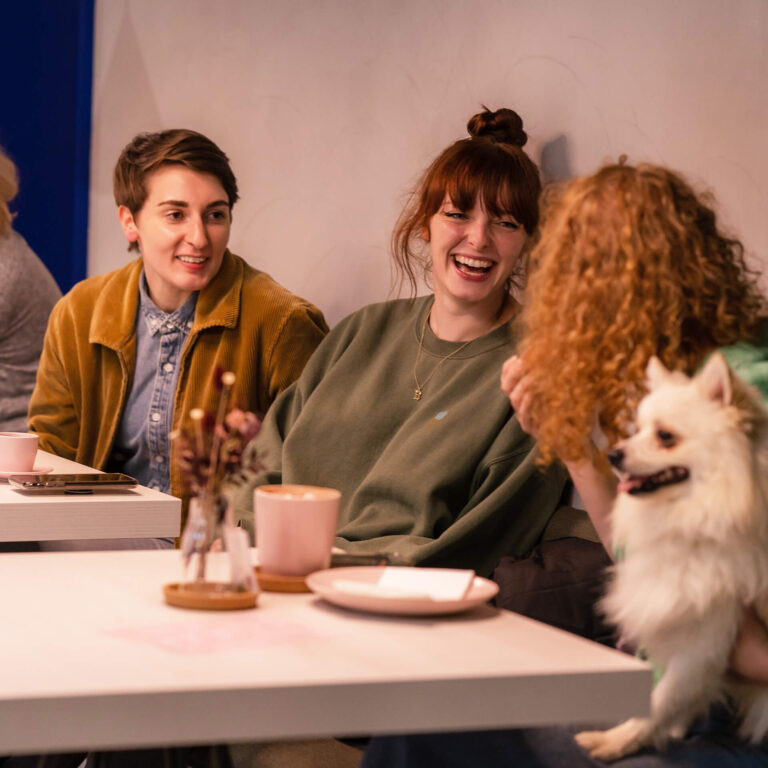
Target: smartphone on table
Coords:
[(85, 482)]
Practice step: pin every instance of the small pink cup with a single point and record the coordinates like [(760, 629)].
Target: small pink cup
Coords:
[(295, 528), (17, 451)]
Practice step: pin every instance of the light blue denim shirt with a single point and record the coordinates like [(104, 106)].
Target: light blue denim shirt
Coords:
[(142, 443)]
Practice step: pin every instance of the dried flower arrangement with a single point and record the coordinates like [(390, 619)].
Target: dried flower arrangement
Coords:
[(211, 459)]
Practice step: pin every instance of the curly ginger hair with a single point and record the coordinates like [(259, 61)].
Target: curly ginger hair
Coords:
[(630, 264)]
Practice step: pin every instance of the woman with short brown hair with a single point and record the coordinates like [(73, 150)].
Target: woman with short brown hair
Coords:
[(129, 354)]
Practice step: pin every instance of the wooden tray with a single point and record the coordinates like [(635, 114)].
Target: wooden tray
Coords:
[(208, 596), (270, 582)]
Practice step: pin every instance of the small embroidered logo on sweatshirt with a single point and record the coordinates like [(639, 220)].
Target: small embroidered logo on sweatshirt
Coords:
[(437, 418)]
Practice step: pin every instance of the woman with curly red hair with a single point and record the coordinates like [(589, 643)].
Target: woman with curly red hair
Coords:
[(630, 264)]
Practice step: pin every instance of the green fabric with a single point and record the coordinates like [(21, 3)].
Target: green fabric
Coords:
[(749, 360), (449, 480)]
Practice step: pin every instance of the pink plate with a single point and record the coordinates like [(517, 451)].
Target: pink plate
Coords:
[(4, 474), (322, 583)]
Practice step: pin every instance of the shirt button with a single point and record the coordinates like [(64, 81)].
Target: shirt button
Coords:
[(159, 459), (155, 417), (168, 367)]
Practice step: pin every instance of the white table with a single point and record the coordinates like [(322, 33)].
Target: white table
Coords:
[(139, 513), (90, 656)]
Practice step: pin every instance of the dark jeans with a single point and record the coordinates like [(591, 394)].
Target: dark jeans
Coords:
[(710, 744)]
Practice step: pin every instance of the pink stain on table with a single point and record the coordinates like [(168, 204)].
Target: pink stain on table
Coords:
[(212, 634)]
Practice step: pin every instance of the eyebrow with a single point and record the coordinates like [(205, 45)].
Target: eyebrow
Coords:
[(183, 204)]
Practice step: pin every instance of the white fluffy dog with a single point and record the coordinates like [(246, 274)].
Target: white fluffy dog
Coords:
[(690, 527)]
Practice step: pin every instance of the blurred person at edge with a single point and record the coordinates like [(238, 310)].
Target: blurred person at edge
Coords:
[(27, 295)]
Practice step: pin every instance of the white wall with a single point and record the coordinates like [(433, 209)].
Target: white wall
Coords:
[(330, 109)]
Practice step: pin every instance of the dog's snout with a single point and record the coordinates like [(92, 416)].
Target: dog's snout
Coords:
[(616, 457)]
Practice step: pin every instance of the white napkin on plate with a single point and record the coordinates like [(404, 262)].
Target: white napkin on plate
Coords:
[(412, 584)]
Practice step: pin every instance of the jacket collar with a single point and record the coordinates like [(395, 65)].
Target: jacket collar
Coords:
[(113, 321)]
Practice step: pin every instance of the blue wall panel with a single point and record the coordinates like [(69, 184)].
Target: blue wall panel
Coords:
[(46, 55)]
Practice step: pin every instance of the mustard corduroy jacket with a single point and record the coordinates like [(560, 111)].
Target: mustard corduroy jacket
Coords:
[(244, 322)]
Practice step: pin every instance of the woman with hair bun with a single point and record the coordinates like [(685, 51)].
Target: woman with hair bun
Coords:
[(399, 407)]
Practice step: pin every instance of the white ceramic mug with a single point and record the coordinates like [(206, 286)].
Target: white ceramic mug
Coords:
[(295, 528), (17, 451)]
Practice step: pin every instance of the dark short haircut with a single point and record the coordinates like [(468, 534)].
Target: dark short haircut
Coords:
[(147, 152)]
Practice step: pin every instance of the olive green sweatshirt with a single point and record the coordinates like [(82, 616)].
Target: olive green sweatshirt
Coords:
[(448, 480)]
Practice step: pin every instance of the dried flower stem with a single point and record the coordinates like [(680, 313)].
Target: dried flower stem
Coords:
[(227, 380), (197, 415)]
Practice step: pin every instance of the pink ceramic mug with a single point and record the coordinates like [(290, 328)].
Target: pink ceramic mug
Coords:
[(295, 528), (17, 451)]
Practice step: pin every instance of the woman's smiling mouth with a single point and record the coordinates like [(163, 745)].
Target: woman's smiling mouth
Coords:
[(473, 267), (192, 259)]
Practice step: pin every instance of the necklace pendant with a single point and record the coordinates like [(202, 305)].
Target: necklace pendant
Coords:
[(417, 393)]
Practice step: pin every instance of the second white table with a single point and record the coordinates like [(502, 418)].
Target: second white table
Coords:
[(139, 513)]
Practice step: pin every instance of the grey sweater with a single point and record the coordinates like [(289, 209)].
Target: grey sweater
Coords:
[(27, 295), (449, 480)]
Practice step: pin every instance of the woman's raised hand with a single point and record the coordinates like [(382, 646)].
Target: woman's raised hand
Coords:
[(515, 382)]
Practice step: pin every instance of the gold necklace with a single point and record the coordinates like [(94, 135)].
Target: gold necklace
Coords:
[(419, 391)]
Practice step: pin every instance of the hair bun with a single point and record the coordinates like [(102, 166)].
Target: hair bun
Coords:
[(504, 126)]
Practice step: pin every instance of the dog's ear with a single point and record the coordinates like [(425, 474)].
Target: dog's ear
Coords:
[(714, 380), (656, 373)]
